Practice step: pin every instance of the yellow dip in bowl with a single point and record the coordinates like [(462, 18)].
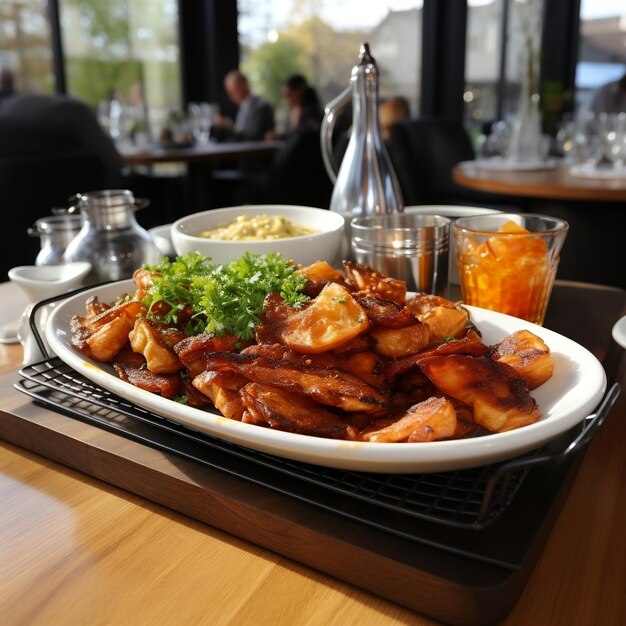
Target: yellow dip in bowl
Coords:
[(258, 228)]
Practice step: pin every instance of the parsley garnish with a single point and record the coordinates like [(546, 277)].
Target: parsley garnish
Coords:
[(225, 299)]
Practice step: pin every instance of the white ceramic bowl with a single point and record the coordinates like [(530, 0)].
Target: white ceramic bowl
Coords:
[(323, 245), (40, 282)]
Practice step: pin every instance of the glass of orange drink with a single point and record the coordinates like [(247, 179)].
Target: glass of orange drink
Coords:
[(508, 261)]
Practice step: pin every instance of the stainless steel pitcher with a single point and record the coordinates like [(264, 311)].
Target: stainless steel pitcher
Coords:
[(366, 183)]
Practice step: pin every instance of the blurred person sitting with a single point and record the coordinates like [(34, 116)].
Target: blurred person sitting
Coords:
[(610, 97), (7, 83), (51, 147), (391, 111), (303, 107), (255, 116), (58, 124)]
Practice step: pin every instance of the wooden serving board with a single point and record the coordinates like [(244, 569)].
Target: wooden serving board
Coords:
[(434, 581)]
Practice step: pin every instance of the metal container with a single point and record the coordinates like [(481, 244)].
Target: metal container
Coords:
[(411, 247), (55, 232), (366, 182), (110, 238)]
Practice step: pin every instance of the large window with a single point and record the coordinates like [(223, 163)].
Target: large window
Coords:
[(482, 62), (123, 50), (25, 45), (321, 39), (495, 43), (602, 46)]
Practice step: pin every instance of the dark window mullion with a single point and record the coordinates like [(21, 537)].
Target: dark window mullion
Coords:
[(58, 59), (443, 58)]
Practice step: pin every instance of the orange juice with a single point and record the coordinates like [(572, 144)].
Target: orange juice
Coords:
[(510, 270)]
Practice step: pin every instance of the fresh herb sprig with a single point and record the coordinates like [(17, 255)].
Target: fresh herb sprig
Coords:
[(225, 299)]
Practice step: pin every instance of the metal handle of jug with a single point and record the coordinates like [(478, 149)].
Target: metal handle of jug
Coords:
[(331, 112)]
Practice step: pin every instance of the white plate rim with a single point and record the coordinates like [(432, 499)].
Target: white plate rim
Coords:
[(563, 399), (619, 331)]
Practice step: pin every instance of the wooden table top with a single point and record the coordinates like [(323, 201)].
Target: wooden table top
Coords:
[(76, 550), (199, 153), (555, 184)]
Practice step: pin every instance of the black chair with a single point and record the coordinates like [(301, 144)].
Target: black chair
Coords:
[(423, 151), (38, 171), (30, 186), (296, 176)]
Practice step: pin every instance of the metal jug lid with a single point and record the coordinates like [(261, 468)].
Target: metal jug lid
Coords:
[(106, 199), (56, 223)]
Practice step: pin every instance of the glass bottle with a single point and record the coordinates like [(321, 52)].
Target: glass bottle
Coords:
[(55, 233), (366, 183), (110, 238)]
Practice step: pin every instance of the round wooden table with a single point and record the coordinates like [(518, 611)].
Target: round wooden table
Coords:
[(593, 207), (548, 184)]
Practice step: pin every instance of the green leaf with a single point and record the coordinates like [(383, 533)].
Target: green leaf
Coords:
[(225, 299)]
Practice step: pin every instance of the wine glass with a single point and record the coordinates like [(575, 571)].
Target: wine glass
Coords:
[(588, 140), (615, 147)]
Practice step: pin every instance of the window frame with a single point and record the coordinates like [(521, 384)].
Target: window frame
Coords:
[(209, 48)]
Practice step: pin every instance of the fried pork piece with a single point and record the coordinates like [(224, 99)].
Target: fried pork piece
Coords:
[(386, 312), (446, 322), (279, 409), (223, 391), (444, 317), (192, 350), (430, 420), (144, 280), (328, 321), (131, 367), (527, 354), (465, 425), (367, 365), (423, 303), (413, 387), (499, 398), (329, 386), (146, 340), (103, 336), (94, 307), (368, 282), (318, 275), (400, 342), (274, 318), (471, 344), (194, 397)]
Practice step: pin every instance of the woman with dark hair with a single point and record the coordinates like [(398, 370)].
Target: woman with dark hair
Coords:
[(303, 105)]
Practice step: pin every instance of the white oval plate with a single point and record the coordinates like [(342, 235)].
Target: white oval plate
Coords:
[(572, 393)]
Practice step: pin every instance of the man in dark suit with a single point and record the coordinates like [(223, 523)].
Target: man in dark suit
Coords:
[(255, 116)]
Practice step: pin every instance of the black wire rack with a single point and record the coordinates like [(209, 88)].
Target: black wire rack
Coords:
[(467, 499)]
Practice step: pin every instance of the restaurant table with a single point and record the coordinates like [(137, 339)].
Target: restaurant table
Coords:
[(554, 183), (78, 549), (200, 153), (200, 161), (593, 207)]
